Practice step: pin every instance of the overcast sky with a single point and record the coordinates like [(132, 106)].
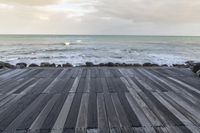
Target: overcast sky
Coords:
[(146, 17)]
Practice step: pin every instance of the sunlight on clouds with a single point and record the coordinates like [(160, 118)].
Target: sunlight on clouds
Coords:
[(100, 16), (6, 6)]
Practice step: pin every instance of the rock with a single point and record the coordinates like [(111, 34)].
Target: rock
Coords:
[(33, 65), (180, 65), (101, 64), (198, 73), (150, 65), (21, 65), (164, 65), (6, 65), (137, 65), (110, 64), (190, 63), (59, 65), (67, 65), (89, 64), (52, 65), (196, 67), (147, 64), (44, 64)]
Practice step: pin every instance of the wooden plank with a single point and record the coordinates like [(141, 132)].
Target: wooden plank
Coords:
[(59, 124), (13, 111), (123, 117), (54, 113), (148, 112), (70, 123), (111, 113), (25, 118), (180, 116), (82, 116), (36, 125), (92, 111), (102, 115), (133, 119)]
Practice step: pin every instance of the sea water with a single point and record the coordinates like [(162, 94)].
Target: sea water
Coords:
[(78, 49)]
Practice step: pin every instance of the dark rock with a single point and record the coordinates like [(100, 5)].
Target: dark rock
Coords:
[(44, 64), (101, 64), (117, 64), (67, 65), (110, 64), (21, 65), (33, 65), (52, 65), (6, 65), (180, 65), (164, 65), (137, 65), (190, 63), (155, 65), (150, 65), (147, 64), (196, 67), (89, 64), (59, 65)]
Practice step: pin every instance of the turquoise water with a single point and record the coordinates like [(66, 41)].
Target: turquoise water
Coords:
[(77, 49)]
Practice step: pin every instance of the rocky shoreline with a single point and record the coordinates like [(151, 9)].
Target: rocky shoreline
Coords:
[(91, 64), (189, 64)]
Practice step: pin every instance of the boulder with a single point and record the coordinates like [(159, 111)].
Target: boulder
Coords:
[(6, 65), (198, 73), (59, 65), (89, 64), (136, 65), (21, 65), (164, 65), (44, 64), (196, 67), (101, 64), (110, 64), (33, 65), (180, 65), (150, 65), (190, 63), (52, 65), (67, 65)]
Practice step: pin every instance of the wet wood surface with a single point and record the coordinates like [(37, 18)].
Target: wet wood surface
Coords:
[(99, 100)]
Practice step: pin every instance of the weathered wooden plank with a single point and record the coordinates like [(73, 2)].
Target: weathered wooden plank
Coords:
[(73, 113), (148, 112), (54, 113), (82, 116), (37, 124), (123, 117), (92, 111), (28, 115), (111, 113), (59, 124), (102, 115), (100, 100), (13, 111)]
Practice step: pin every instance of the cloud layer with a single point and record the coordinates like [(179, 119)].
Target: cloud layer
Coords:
[(100, 16)]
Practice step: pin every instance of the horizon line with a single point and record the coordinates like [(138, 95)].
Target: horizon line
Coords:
[(106, 35)]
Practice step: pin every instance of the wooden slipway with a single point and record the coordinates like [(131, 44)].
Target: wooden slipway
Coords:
[(99, 100)]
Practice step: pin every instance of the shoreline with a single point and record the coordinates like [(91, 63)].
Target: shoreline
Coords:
[(22, 65)]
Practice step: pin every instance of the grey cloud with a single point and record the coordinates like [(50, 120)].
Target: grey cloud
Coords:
[(176, 11)]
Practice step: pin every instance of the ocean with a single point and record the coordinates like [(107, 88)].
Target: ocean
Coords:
[(78, 49)]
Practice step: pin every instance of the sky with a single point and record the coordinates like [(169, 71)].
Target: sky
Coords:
[(121, 17)]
